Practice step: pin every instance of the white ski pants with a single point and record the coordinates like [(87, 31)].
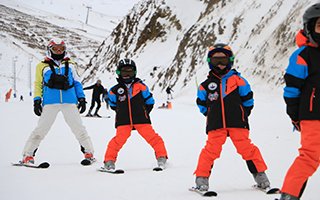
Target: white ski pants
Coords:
[(71, 115)]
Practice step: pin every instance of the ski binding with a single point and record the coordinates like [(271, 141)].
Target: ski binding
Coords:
[(112, 171), (268, 190), (204, 193)]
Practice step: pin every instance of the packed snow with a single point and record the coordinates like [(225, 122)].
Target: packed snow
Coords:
[(183, 130)]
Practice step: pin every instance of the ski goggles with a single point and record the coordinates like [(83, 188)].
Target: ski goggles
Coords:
[(58, 48), (215, 61)]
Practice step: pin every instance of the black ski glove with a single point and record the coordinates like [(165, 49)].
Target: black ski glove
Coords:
[(37, 107), (82, 105)]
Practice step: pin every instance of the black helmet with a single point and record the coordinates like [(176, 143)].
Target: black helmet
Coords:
[(224, 48), (309, 21), (126, 63)]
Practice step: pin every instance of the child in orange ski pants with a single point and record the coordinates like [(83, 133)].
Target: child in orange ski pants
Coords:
[(124, 132), (308, 160), (240, 139)]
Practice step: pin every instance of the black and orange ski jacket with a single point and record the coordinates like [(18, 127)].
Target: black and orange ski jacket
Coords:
[(132, 103), (226, 101), (302, 77)]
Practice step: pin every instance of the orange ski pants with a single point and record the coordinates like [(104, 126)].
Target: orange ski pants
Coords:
[(124, 132), (213, 148), (307, 161)]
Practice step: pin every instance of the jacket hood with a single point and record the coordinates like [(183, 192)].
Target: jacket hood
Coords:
[(302, 40)]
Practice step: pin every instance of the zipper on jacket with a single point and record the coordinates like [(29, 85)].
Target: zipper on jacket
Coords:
[(311, 99), (222, 106), (61, 100), (242, 112), (129, 107), (145, 113)]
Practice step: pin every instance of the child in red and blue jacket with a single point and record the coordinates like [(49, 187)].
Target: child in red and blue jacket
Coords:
[(225, 98), (302, 97), (132, 101)]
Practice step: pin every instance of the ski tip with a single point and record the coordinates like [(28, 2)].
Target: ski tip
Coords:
[(273, 191), (210, 194), (119, 171), (44, 165), (85, 162), (157, 169)]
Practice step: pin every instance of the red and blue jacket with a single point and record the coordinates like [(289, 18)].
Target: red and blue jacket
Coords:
[(226, 101), (132, 103), (302, 78)]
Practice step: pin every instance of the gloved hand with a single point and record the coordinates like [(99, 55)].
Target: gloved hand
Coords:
[(37, 107), (149, 107), (82, 105), (296, 125)]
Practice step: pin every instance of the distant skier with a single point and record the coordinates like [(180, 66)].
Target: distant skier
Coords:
[(21, 97), (57, 88), (98, 90), (132, 102), (105, 98), (169, 94), (302, 97), (226, 99)]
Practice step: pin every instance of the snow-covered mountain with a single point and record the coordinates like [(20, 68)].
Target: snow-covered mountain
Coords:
[(27, 25), (169, 39), (33, 34)]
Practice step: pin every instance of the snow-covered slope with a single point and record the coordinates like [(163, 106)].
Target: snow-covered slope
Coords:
[(169, 39), (183, 130)]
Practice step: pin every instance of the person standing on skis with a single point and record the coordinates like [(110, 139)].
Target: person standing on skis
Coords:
[(132, 102), (226, 99), (302, 97), (169, 94), (58, 88), (98, 89)]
